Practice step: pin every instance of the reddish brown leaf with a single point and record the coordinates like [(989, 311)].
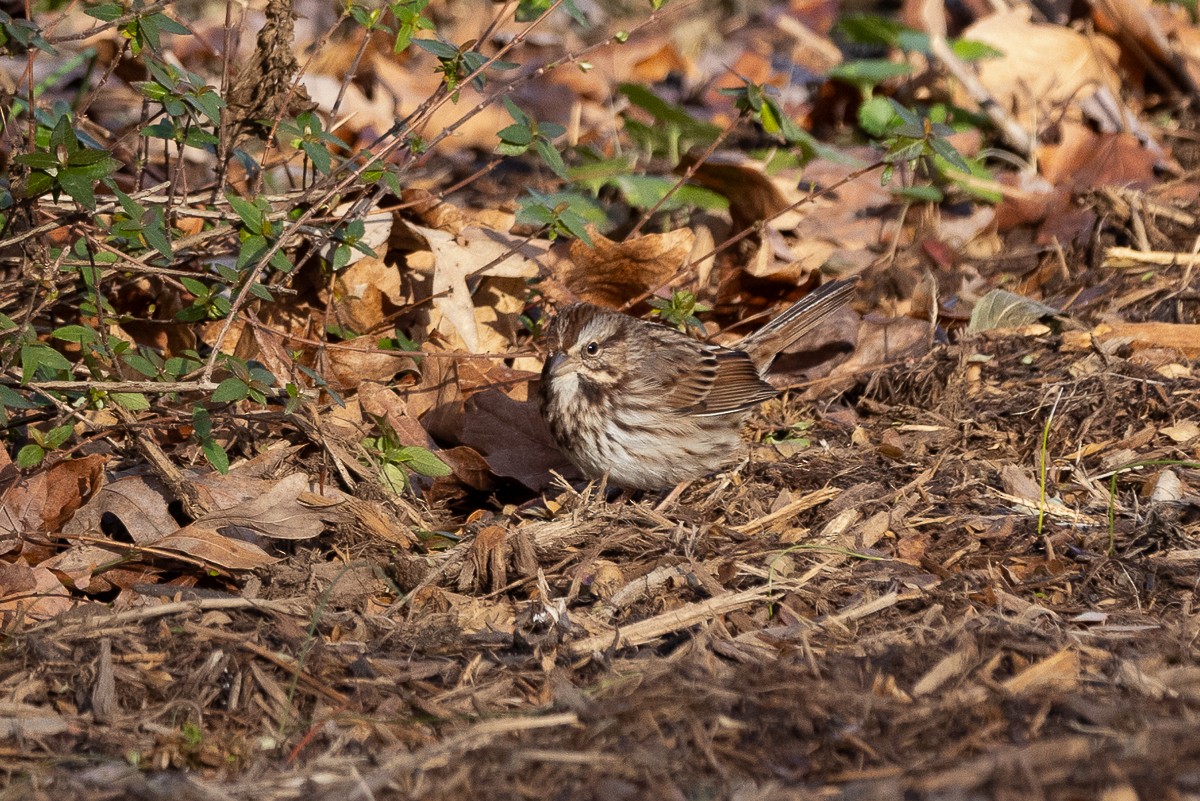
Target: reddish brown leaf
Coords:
[(514, 439)]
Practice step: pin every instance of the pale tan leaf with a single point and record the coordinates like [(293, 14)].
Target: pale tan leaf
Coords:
[(207, 544)]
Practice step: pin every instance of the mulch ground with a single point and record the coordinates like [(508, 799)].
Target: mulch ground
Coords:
[(883, 614)]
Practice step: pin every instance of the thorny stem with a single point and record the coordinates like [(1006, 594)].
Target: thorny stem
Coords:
[(342, 184), (686, 268), (687, 175), (252, 278)]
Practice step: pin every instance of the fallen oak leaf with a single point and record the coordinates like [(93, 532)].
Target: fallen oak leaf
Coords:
[(473, 252), (277, 513)]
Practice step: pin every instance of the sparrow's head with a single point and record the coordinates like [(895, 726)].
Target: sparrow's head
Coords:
[(588, 348)]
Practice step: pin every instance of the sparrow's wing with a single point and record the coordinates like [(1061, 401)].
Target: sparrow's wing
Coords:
[(720, 381)]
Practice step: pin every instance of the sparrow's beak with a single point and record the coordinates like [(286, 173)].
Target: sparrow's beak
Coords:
[(555, 363)]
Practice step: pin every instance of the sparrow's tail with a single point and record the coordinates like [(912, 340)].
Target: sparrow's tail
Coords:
[(794, 322)]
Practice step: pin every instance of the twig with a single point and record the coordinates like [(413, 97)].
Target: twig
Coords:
[(110, 619), (687, 175), (795, 507), (675, 620), (1017, 137), (442, 753), (685, 269), (1127, 258)]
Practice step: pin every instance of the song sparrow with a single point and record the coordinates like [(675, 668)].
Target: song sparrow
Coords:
[(649, 406)]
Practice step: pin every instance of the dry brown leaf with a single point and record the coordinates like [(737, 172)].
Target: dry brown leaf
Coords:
[(473, 253), (752, 195), (76, 567), (140, 503), (380, 401), (31, 593), (46, 500), (1083, 160), (209, 545), (1044, 68), (612, 273), (513, 438), (275, 511), (837, 222), (366, 292), (437, 400), (360, 359), (1183, 432), (1160, 32), (880, 341), (469, 467)]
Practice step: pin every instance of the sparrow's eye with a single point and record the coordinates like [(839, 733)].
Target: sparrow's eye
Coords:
[(592, 348)]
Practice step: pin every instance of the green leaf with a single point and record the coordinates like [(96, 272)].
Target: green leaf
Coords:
[(281, 262), (552, 158), (319, 156), (869, 29), (875, 116), (75, 333), (87, 157), (141, 364), (516, 113), (30, 456), (529, 10), (57, 436), (261, 292), (155, 234), (209, 103), (516, 134), (231, 389), (395, 478), (422, 461), (202, 422), (905, 152), (924, 193), (550, 130), (12, 399), (772, 120), (133, 401), (197, 288), (252, 250), (36, 356), (969, 50), (644, 191), (79, 188), (106, 12), (947, 151), (250, 214), (669, 113), (438, 48), (39, 160), (505, 149), (869, 72), (576, 226), (911, 41), (37, 183), (216, 455)]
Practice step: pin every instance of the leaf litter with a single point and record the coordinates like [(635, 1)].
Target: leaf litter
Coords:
[(954, 566)]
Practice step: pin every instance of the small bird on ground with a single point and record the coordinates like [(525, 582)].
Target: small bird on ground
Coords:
[(648, 406)]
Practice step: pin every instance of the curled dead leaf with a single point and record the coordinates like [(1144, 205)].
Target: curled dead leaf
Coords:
[(611, 273)]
